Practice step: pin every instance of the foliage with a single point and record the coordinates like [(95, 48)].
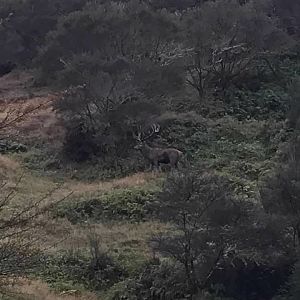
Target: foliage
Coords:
[(120, 204), (221, 80), (240, 150), (293, 285), (144, 70), (163, 279), (280, 192), (8, 146), (28, 23), (128, 36), (210, 224), (294, 109), (199, 205), (267, 102), (125, 64), (288, 12), (227, 40), (95, 129), (94, 270)]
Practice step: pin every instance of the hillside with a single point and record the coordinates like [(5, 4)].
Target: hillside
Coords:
[(149, 150), (244, 160), (59, 234)]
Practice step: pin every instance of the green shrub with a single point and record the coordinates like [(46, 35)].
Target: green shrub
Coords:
[(95, 270), (130, 257), (41, 159), (158, 280), (270, 101), (120, 204)]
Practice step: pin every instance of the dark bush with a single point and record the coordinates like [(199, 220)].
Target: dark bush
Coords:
[(294, 103), (6, 68), (79, 144)]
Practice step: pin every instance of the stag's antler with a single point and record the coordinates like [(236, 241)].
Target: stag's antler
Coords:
[(155, 128), (138, 136)]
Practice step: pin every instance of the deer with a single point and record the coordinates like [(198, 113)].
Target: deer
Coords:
[(156, 156)]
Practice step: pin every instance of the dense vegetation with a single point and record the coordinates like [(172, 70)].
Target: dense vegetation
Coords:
[(222, 79)]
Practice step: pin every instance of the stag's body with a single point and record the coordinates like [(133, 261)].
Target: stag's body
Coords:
[(157, 156)]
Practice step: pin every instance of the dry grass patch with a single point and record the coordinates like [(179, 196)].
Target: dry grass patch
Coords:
[(9, 168), (29, 108), (136, 180), (38, 290), (60, 231), (32, 119), (115, 235), (57, 235), (14, 85)]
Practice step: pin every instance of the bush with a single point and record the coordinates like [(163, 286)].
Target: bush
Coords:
[(94, 270), (291, 290), (79, 144), (160, 279), (156, 281), (294, 103), (42, 159), (81, 270), (280, 189), (120, 204), (268, 102)]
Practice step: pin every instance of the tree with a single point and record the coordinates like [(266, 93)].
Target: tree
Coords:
[(119, 67), (213, 236), (288, 12), (225, 40), (202, 209), (101, 122), (280, 191), (110, 31), (28, 24)]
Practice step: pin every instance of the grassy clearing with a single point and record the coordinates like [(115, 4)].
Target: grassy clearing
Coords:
[(125, 241)]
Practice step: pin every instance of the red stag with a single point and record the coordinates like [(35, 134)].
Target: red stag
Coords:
[(157, 156)]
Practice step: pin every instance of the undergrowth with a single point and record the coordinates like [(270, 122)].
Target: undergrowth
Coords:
[(119, 204)]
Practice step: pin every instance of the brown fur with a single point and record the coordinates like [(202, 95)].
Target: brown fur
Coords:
[(157, 156)]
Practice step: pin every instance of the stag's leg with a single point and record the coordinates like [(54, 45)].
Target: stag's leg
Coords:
[(174, 164), (156, 164), (150, 167)]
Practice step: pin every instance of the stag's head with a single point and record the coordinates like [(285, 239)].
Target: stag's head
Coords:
[(138, 146), (141, 136)]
